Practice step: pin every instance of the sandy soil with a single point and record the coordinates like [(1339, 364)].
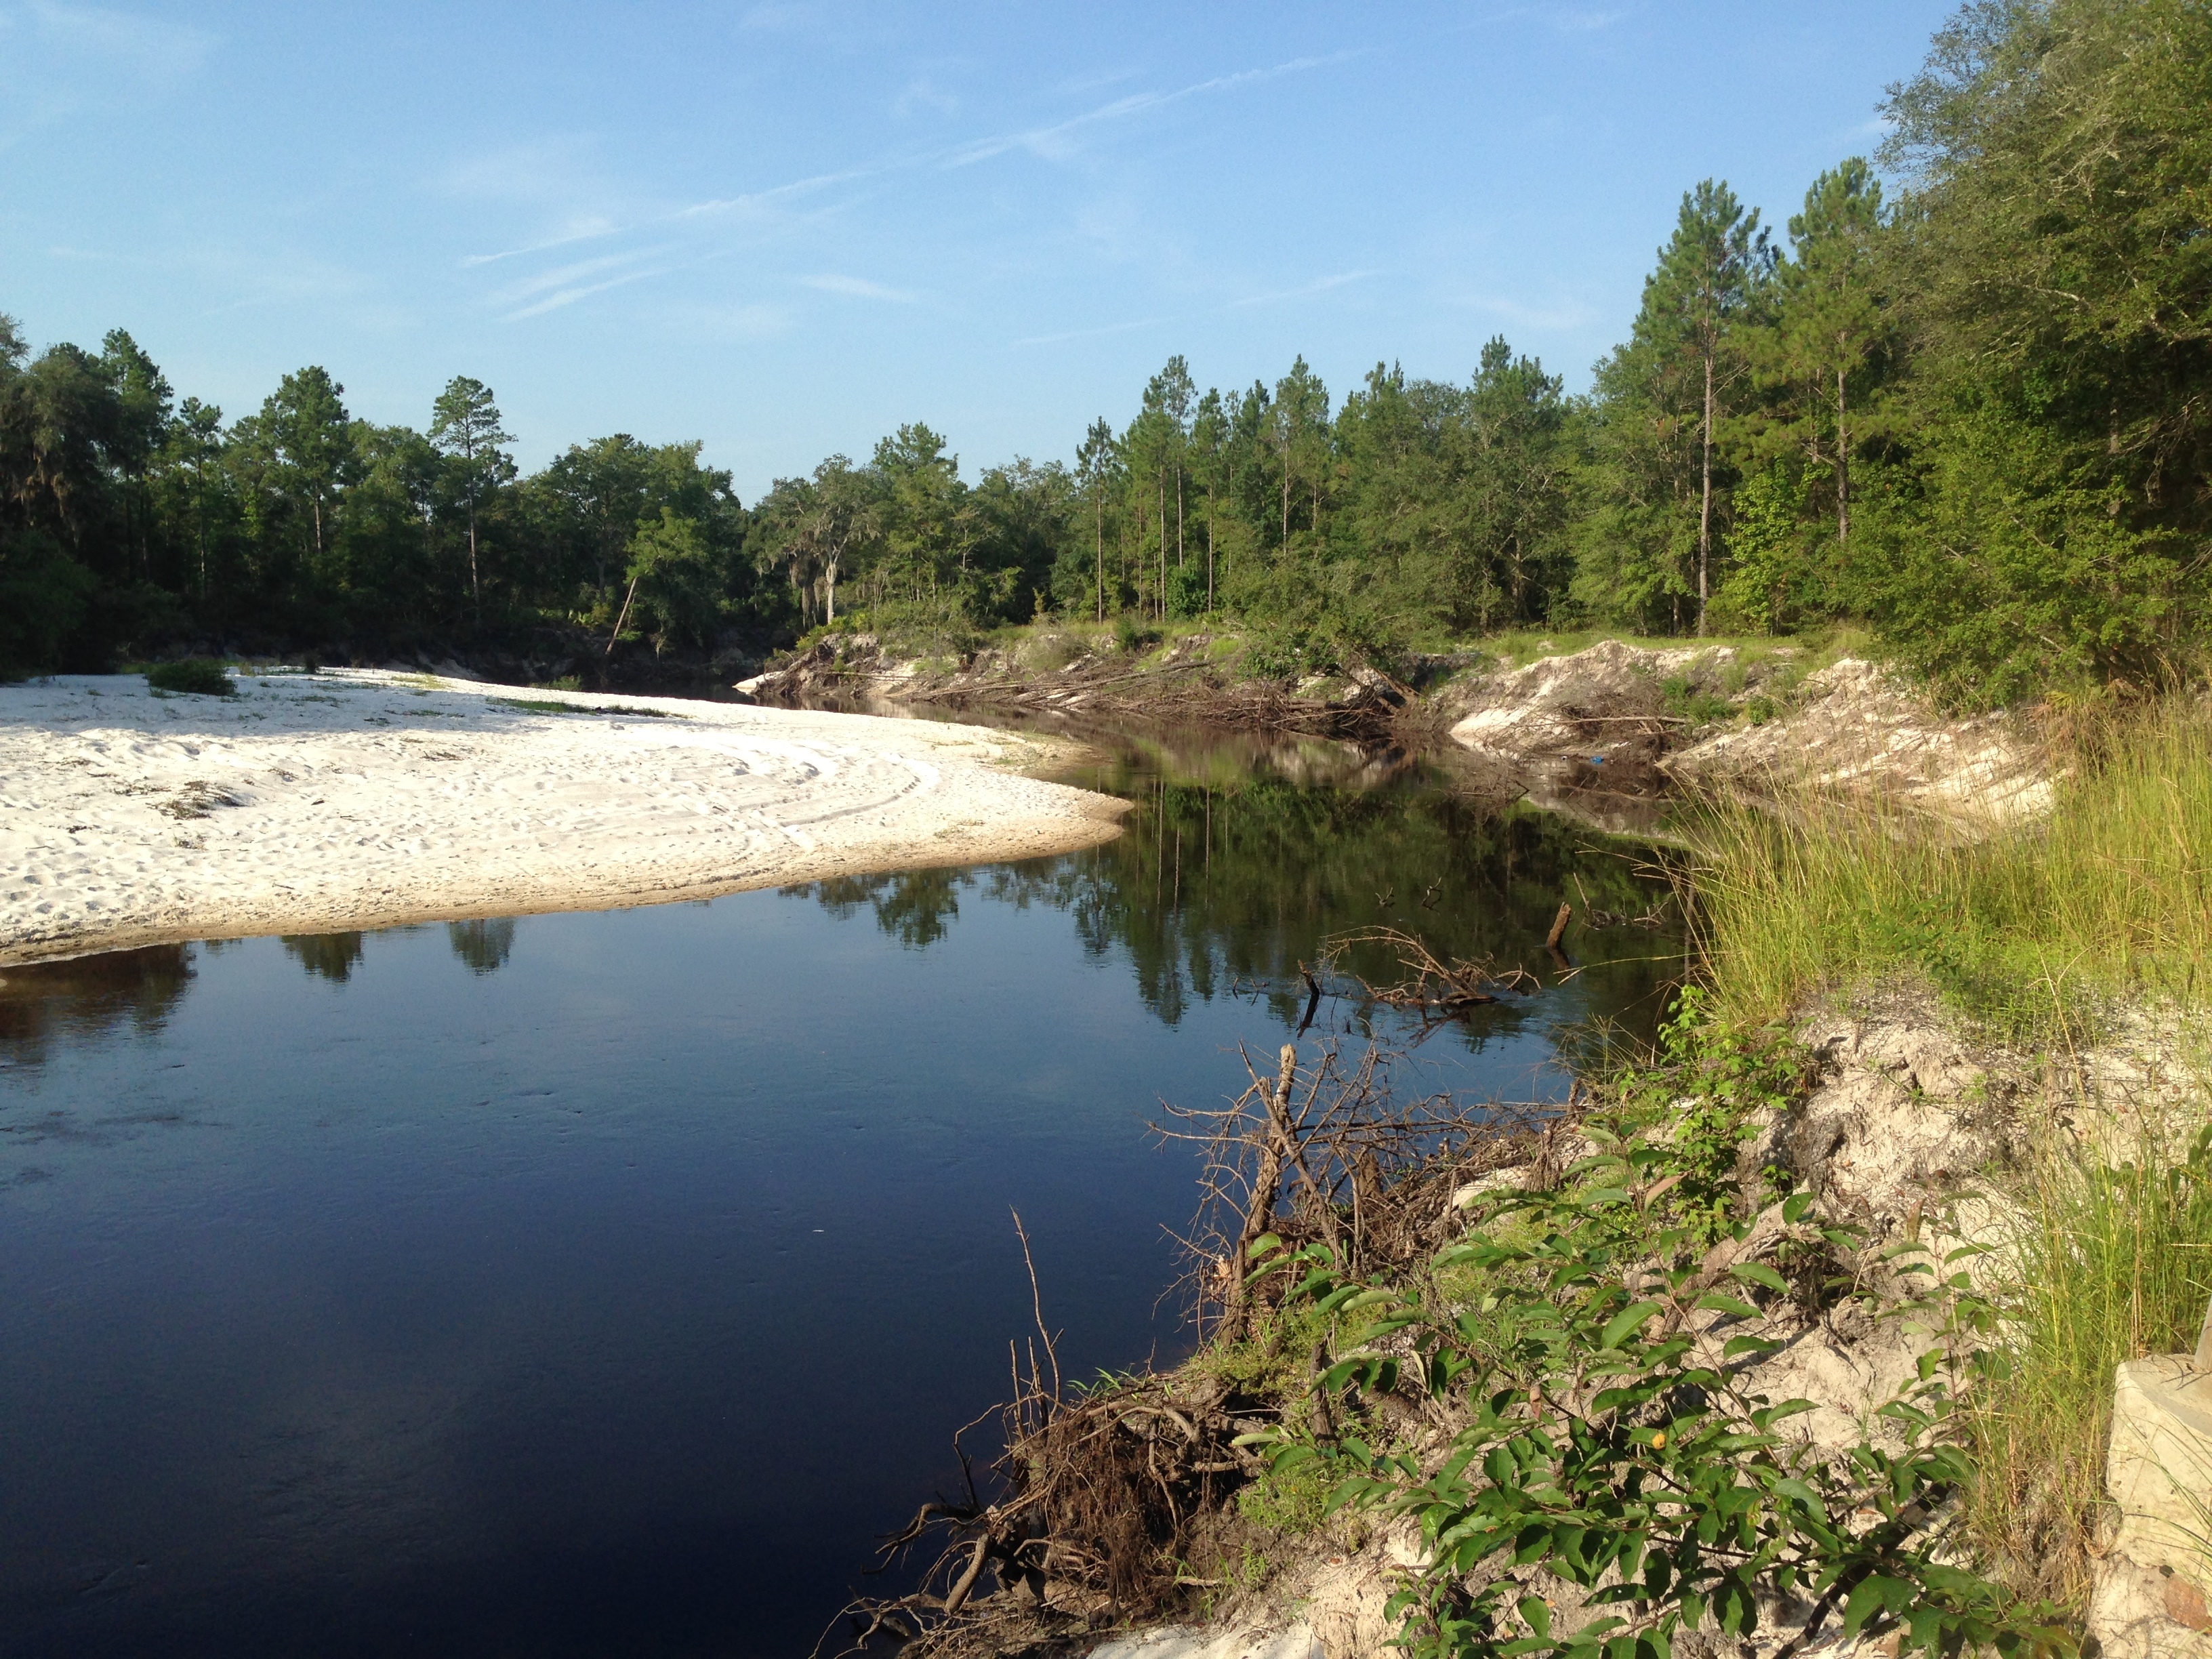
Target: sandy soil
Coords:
[(357, 799)]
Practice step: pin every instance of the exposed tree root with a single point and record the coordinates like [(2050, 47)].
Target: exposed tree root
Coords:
[(1105, 1497)]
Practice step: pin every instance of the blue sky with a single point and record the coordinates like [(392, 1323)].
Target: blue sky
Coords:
[(786, 228)]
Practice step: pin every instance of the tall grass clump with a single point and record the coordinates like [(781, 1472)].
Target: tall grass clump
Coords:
[(2107, 896), (2102, 1264)]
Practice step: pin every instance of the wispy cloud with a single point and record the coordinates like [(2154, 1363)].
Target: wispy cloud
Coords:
[(524, 287), (57, 61), (1050, 142), (739, 321), (254, 277), (839, 26), (860, 288), (569, 296), (561, 170), (757, 201), (1077, 84), (150, 48), (1320, 285), (544, 171), (591, 230), (1579, 21)]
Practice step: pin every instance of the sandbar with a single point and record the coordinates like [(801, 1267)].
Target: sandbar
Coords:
[(359, 799)]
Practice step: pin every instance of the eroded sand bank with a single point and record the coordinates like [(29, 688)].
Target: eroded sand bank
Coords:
[(358, 799)]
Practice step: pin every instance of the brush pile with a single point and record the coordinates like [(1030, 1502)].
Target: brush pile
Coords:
[(1107, 1503)]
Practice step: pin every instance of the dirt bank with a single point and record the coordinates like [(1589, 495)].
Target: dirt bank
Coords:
[(1604, 733), (1196, 679)]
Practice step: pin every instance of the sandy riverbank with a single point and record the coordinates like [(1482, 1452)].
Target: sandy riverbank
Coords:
[(358, 799)]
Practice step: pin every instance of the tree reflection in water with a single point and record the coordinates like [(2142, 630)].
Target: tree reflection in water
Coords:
[(330, 955), (483, 945), (89, 997), (1240, 857)]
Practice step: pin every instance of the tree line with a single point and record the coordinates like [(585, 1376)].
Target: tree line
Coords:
[(1970, 411)]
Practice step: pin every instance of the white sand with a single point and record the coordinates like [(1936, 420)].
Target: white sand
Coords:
[(358, 799)]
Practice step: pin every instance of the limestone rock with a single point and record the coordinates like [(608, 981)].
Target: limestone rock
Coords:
[(2138, 1613), (2159, 1468)]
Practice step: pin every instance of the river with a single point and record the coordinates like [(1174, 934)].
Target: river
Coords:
[(609, 1282)]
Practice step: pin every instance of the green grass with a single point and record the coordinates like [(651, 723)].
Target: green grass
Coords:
[(2105, 1264), (1811, 650), (2029, 930), (1293, 1501)]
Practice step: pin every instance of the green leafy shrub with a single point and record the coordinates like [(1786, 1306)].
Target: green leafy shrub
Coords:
[(1605, 1447), (1704, 1087), (1131, 636), (1186, 592), (200, 675)]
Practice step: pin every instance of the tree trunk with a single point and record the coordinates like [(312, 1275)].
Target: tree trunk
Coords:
[(1163, 547), (1842, 469), (624, 616), (475, 588), (1098, 503), (1706, 499), (829, 597), (1209, 552)]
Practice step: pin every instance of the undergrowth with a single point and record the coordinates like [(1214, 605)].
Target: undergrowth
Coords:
[(2027, 930), (1611, 1444)]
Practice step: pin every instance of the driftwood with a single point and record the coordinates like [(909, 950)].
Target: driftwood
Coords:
[(1559, 925), (1439, 991), (1325, 1153)]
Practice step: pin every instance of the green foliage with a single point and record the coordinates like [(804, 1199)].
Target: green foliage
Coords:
[(198, 675), (672, 579), (1771, 586), (1132, 636), (44, 598), (2058, 272), (1607, 1448), (1681, 696), (1291, 1498), (1702, 1090)]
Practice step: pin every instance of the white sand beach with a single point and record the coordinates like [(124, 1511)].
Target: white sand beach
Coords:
[(359, 799)]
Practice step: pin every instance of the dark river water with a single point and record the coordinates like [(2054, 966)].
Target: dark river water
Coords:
[(608, 1283)]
